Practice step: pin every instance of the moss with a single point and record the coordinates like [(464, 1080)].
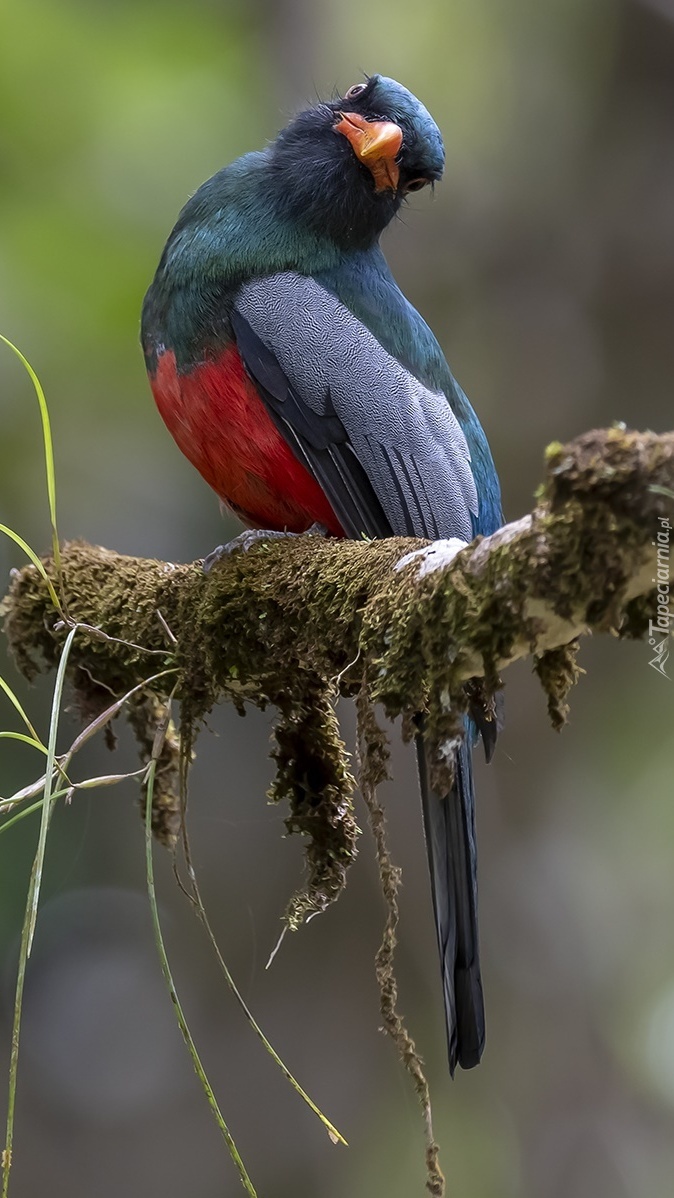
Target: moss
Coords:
[(146, 713), (558, 671), (292, 623), (259, 652), (313, 776), (636, 616)]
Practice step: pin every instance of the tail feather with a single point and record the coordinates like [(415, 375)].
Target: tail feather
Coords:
[(449, 824)]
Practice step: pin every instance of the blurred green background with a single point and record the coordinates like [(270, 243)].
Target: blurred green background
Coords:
[(545, 264)]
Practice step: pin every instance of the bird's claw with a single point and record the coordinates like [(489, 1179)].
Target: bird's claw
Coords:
[(252, 536)]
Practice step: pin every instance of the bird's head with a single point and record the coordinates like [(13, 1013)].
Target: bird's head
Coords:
[(345, 167)]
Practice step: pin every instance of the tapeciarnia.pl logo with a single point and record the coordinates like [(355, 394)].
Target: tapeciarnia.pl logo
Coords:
[(659, 628)]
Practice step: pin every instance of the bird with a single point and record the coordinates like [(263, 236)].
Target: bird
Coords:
[(307, 390)]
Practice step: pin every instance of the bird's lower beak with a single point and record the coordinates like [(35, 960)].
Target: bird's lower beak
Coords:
[(376, 144)]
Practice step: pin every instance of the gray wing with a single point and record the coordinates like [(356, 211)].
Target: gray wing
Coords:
[(384, 446)]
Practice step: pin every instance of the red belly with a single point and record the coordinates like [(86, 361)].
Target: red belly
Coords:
[(220, 423)]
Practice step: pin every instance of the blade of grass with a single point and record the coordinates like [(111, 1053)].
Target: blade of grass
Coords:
[(27, 792), (166, 970), (16, 1030), (46, 805), (48, 448), (24, 952), (14, 536), (88, 784), (107, 779), (335, 1135), (49, 778), (14, 819), (34, 788), (99, 635), (26, 740), (110, 712), (28, 929), (13, 699), (194, 897)]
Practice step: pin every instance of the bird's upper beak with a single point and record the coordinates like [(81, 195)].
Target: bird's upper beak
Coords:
[(376, 144)]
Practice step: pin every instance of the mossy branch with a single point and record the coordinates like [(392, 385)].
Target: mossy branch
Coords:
[(288, 616), (295, 622)]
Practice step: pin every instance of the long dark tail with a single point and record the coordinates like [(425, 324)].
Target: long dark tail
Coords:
[(449, 824)]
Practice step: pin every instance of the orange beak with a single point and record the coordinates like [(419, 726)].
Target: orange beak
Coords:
[(376, 144)]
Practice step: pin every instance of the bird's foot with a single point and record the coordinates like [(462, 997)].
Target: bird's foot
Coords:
[(253, 536)]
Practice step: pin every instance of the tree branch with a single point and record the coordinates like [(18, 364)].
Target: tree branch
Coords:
[(264, 620), (418, 625)]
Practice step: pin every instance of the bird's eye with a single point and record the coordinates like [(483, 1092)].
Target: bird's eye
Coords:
[(416, 184), (355, 91)]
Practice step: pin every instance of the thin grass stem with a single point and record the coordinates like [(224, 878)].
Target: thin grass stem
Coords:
[(49, 779), (166, 970), (48, 449)]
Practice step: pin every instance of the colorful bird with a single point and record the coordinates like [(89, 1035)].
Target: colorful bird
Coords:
[(305, 388)]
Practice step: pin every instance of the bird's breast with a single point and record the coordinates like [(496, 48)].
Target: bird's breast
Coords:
[(218, 420)]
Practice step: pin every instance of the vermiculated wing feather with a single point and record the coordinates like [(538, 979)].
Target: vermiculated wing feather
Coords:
[(405, 437), (318, 438)]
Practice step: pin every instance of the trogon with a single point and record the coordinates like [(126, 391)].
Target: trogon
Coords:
[(305, 388)]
